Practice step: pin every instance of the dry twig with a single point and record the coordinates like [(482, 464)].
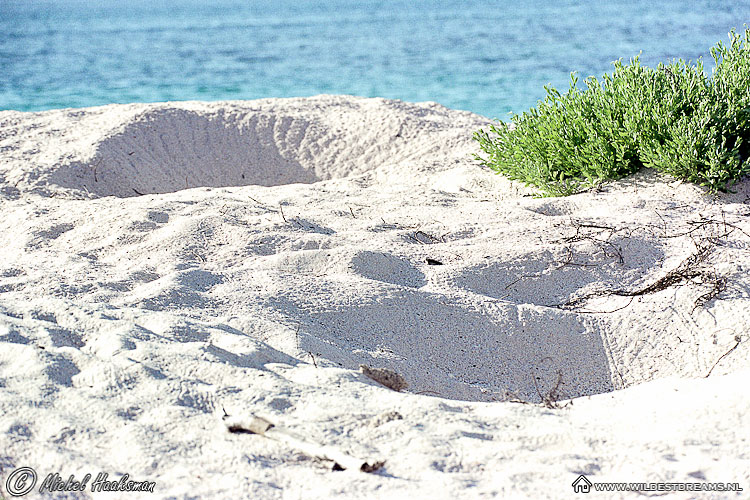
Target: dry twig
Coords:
[(550, 400), (737, 339)]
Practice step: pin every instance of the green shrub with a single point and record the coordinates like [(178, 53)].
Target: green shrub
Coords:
[(672, 118)]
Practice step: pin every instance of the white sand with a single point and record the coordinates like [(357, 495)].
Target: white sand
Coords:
[(276, 245)]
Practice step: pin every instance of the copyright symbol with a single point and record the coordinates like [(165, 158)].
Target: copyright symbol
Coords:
[(20, 481)]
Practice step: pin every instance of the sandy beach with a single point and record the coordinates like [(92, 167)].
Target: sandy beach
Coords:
[(169, 268)]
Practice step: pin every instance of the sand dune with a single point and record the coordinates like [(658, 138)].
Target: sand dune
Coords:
[(165, 264)]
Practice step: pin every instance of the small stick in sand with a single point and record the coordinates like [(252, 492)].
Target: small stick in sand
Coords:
[(262, 427), (313, 359), (737, 339), (96, 179)]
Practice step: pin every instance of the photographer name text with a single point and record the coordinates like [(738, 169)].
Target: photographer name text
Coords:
[(53, 483)]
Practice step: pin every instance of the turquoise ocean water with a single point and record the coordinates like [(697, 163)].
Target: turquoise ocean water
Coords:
[(483, 56)]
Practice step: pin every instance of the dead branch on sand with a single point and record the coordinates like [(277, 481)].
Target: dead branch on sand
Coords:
[(688, 270)]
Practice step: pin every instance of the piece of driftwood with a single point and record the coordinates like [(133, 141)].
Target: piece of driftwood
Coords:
[(262, 427), (386, 377)]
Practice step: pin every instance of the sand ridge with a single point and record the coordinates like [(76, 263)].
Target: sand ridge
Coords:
[(124, 150)]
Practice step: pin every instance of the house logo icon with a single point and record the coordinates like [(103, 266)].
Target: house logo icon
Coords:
[(581, 485)]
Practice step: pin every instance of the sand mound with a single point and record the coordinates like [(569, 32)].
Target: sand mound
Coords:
[(129, 150), (165, 263)]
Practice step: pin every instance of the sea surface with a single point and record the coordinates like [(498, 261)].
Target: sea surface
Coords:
[(488, 57)]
